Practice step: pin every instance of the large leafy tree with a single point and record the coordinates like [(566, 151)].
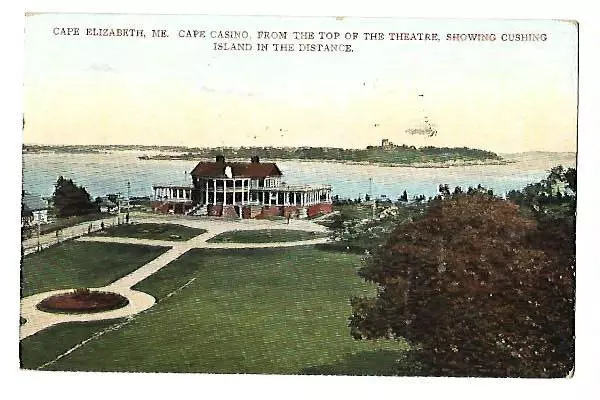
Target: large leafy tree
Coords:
[(70, 199), (480, 288)]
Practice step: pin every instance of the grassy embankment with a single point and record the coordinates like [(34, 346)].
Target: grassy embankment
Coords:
[(243, 311)]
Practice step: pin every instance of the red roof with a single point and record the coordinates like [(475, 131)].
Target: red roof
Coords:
[(246, 170)]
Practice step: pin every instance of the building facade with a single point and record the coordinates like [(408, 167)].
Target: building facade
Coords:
[(34, 210), (242, 190)]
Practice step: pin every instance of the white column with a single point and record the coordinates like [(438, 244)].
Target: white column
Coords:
[(233, 197), (214, 191), (206, 193), (224, 192)]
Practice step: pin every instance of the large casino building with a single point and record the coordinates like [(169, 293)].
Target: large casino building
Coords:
[(241, 190)]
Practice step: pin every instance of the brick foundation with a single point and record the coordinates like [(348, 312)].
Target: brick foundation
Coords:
[(319, 209), (229, 212), (215, 210), (164, 207), (248, 212), (271, 211)]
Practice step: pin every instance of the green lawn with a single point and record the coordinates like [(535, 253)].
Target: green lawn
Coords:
[(152, 231), (82, 264), (265, 236), (46, 345), (354, 210), (246, 311)]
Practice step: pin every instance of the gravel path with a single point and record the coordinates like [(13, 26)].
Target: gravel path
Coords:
[(139, 301)]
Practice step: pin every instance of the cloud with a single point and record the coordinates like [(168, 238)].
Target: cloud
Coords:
[(102, 67)]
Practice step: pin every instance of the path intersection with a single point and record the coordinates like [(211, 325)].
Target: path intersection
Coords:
[(37, 320)]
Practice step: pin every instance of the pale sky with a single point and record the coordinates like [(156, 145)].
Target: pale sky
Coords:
[(499, 96)]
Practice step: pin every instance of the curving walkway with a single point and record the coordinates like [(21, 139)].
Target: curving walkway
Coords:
[(139, 301)]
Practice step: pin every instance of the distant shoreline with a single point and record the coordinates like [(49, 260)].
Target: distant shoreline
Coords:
[(178, 155), (431, 164)]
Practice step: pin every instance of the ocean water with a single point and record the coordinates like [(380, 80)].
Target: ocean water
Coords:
[(103, 173)]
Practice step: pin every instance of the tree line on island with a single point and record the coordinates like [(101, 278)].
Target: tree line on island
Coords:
[(394, 154), (385, 154)]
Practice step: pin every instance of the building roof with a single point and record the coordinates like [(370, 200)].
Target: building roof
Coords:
[(32, 202), (246, 170), (104, 202)]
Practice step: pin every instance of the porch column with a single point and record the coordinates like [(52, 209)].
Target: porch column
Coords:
[(214, 191), (242, 192)]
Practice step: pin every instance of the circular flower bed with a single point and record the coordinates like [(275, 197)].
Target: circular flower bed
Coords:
[(82, 301)]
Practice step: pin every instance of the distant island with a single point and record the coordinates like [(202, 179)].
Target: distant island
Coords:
[(387, 153)]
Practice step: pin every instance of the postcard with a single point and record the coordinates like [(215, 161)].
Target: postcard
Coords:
[(299, 195)]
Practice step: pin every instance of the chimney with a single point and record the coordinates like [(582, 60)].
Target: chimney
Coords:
[(254, 159), (220, 159)]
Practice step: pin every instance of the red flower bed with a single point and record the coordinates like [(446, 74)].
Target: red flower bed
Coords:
[(82, 301)]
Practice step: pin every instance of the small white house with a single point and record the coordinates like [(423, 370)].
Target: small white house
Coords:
[(34, 210), (107, 206)]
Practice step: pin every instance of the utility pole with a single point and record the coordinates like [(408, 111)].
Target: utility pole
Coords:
[(38, 235), (128, 205), (119, 208), (371, 198)]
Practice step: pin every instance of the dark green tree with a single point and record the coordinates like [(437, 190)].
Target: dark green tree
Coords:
[(481, 289), (70, 199), (404, 197)]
